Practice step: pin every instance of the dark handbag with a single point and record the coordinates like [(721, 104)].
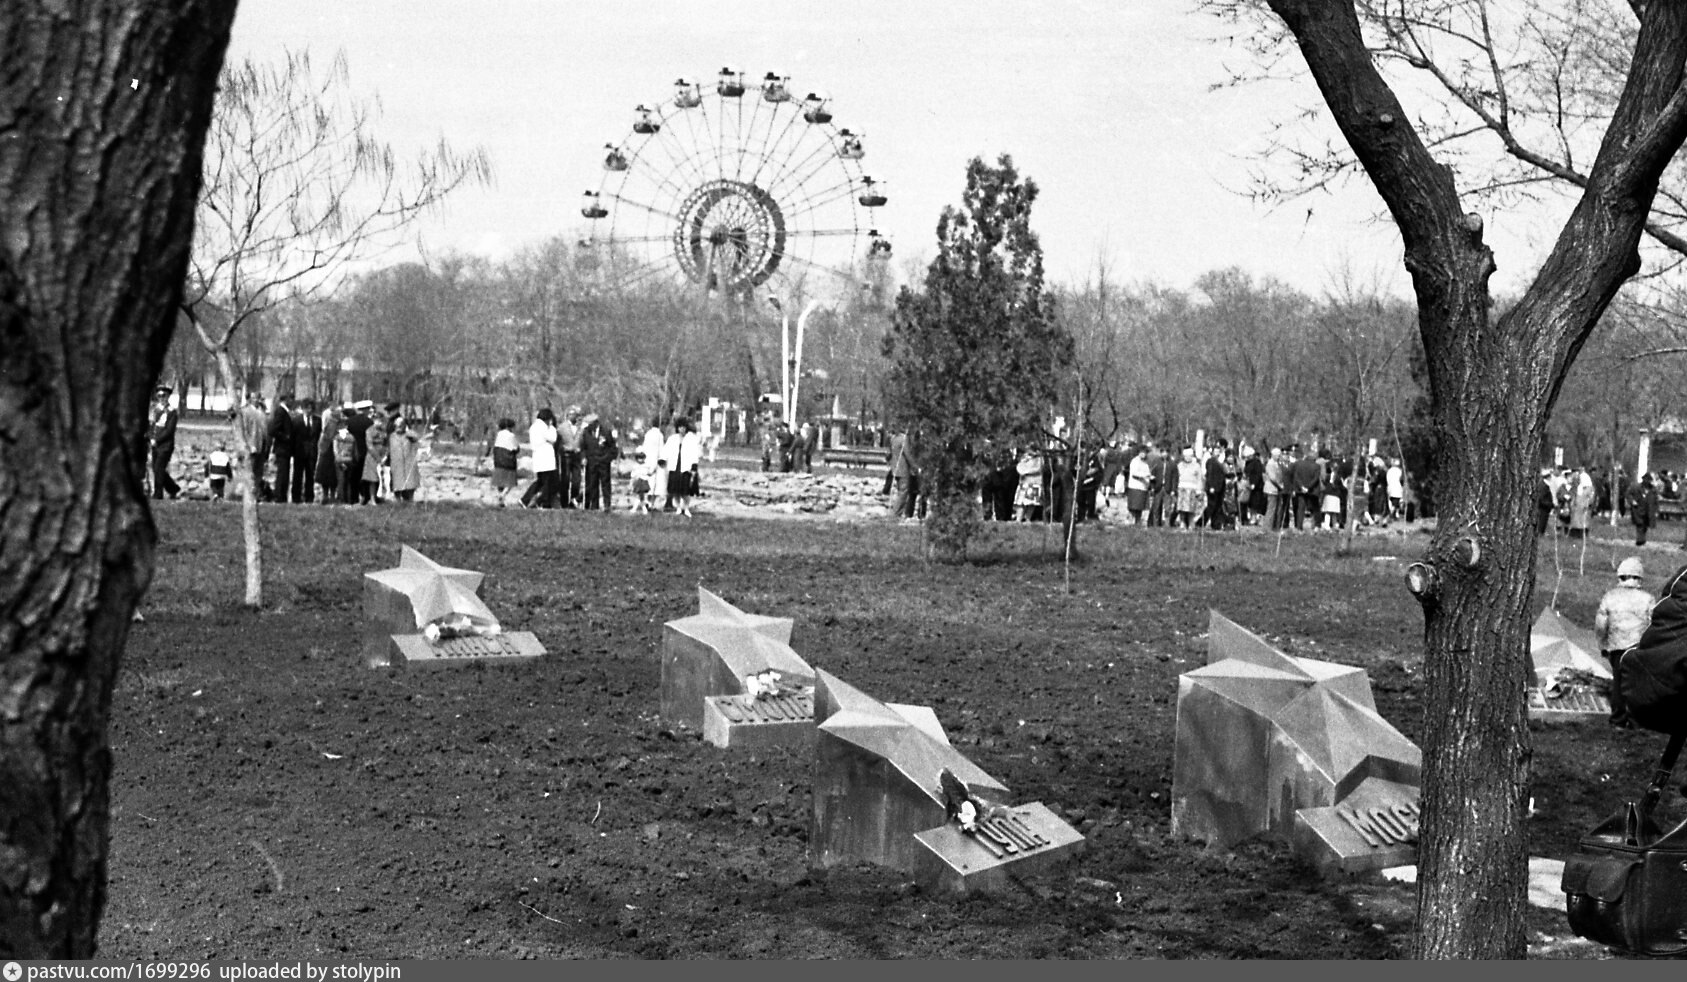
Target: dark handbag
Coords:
[(1627, 887)]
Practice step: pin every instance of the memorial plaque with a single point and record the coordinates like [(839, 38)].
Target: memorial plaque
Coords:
[(1580, 705), (757, 723), (1263, 735), (422, 614), (1029, 839), (1373, 828), (712, 652), (415, 651)]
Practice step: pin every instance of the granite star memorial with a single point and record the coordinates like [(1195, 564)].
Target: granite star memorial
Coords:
[(734, 676), (890, 789), (420, 614), (1292, 749)]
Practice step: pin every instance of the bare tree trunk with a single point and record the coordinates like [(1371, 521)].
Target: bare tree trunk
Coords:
[(251, 532), (106, 105)]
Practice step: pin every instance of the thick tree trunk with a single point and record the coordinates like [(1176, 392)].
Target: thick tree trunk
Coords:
[(1471, 856), (1493, 386), (106, 106)]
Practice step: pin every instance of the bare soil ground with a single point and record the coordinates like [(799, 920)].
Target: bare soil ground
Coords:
[(274, 797)]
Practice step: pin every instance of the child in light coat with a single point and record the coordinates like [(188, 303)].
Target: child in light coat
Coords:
[(644, 483)]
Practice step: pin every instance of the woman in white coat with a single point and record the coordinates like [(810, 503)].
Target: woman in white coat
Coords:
[(682, 451)]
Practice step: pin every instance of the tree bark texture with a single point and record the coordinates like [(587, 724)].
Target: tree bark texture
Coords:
[(1492, 384), (104, 106)]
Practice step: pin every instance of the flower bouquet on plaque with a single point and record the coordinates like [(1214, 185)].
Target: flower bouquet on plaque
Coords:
[(1565, 682), (771, 684), (459, 625)]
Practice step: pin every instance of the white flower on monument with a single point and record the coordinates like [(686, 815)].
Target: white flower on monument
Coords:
[(967, 816)]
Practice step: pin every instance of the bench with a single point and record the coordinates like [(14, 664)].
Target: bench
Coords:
[(856, 456), (1671, 508)]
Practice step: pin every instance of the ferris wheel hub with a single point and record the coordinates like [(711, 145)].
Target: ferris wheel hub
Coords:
[(730, 235)]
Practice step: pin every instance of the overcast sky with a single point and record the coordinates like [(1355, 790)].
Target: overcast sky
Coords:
[(1107, 106)]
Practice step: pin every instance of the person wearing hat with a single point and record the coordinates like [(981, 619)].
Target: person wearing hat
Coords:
[(161, 438), (1625, 611), (598, 450)]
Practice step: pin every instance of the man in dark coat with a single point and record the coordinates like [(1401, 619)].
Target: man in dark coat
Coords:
[(1304, 478), (1213, 485), (1162, 482), (280, 432), (1653, 673), (1642, 508), (1253, 475), (598, 450), (307, 433), (161, 437)]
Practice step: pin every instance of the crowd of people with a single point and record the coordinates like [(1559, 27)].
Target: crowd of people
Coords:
[(1148, 483), (1575, 496), (351, 453), (573, 460)]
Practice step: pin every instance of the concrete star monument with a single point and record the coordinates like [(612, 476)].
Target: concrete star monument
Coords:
[(707, 660), (1556, 643), (1266, 740), (423, 614), (1559, 646), (890, 789)]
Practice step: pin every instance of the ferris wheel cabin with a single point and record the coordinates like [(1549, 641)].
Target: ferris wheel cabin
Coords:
[(814, 108), (687, 94), (731, 84), (616, 160), (645, 122), (591, 206), (878, 247), (776, 87), (850, 147), (871, 196)]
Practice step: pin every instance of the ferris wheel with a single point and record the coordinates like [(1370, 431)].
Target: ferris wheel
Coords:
[(733, 188)]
